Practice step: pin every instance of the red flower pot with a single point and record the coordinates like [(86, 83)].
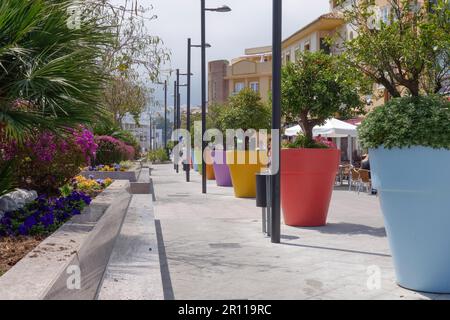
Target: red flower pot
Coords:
[(307, 180)]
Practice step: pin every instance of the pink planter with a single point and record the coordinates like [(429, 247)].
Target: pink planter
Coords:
[(221, 170)]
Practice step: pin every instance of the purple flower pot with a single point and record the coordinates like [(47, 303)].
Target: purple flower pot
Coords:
[(221, 170)]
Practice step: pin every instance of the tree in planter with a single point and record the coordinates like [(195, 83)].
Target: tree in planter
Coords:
[(408, 52), (409, 56), (245, 111), (314, 88), (317, 87)]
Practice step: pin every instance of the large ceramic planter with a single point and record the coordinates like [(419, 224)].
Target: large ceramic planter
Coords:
[(221, 170), (414, 190), (197, 159), (307, 180), (243, 171), (209, 167)]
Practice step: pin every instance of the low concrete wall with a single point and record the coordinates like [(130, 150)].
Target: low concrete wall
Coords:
[(131, 176), (85, 240), (133, 271), (143, 184)]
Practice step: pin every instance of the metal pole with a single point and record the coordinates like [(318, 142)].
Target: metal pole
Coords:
[(175, 106), (175, 115), (178, 98), (203, 48), (188, 111), (150, 146), (165, 114), (276, 120)]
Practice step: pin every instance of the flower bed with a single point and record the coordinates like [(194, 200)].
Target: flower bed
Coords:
[(126, 170), (24, 229), (90, 186), (106, 168), (43, 216)]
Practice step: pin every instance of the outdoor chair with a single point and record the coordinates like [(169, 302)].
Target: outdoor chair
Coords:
[(343, 174), (353, 178), (364, 181)]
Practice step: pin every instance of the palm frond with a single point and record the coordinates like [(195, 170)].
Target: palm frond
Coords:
[(6, 177), (51, 67)]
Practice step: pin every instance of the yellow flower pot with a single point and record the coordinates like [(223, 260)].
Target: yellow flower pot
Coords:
[(243, 173), (209, 167)]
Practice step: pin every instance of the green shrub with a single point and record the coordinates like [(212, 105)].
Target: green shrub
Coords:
[(159, 155), (406, 122)]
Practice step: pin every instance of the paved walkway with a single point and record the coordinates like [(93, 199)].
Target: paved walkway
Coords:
[(215, 250)]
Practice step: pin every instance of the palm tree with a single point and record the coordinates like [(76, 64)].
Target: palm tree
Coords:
[(50, 74)]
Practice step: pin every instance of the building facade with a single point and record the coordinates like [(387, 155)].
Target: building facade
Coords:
[(142, 132), (218, 91), (254, 69)]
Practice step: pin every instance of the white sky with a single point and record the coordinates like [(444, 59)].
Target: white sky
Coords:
[(248, 25)]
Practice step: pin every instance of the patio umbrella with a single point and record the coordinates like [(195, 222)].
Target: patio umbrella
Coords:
[(333, 128)]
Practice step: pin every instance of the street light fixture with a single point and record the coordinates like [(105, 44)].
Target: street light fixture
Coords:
[(223, 8), (203, 8)]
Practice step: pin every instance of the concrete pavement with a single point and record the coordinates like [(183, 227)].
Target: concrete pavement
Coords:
[(211, 247)]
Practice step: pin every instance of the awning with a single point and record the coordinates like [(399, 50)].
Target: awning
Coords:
[(333, 128)]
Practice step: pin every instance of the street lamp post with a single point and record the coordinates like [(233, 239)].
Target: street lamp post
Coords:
[(165, 113), (203, 47), (150, 146), (276, 120), (175, 85), (178, 104), (188, 111), (188, 102)]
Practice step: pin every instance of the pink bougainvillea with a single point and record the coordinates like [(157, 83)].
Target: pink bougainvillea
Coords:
[(326, 142), (47, 160), (86, 141), (111, 150)]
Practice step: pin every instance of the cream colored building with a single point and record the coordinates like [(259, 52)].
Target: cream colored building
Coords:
[(254, 69)]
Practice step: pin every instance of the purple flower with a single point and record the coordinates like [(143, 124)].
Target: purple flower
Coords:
[(48, 220), (23, 230), (30, 222)]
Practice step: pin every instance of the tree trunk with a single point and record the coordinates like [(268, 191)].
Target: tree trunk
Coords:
[(306, 126)]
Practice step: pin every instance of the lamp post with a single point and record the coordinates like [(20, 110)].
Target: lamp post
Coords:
[(276, 120), (203, 47), (175, 166), (188, 102), (165, 113), (178, 103)]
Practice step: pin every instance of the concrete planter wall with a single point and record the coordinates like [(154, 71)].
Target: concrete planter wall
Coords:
[(131, 175), (414, 190), (85, 241)]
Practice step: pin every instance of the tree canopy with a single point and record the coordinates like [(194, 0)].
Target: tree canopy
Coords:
[(407, 50), (319, 86)]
